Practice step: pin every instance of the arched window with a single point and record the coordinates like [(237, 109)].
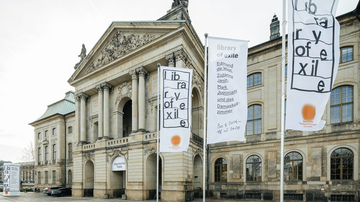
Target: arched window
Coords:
[(69, 177), (293, 166), (342, 164), (54, 176), (253, 168), (253, 125), (254, 79), (220, 170), (341, 104), (347, 54)]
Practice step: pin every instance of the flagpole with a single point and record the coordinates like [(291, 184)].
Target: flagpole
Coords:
[(205, 117), (157, 137), (282, 103)]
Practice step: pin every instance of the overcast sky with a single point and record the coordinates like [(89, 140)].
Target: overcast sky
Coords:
[(40, 41)]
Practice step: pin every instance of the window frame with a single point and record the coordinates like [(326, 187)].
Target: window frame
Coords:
[(54, 131), (299, 172), (46, 177), (39, 135), (69, 129), (253, 120), (341, 53), (253, 171), (334, 168), (46, 153), (70, 151), (46, 133), (220, 168), (53, 177), (39, 154), (341, 104), (54, 151), (253, 79)]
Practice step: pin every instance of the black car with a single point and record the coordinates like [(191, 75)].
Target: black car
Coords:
[(64, 191), (48, 190)]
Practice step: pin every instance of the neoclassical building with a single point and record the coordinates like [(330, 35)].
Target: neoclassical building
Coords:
[(116, 110), (114, 114)]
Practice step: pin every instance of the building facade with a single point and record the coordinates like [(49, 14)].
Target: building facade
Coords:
[(319, 166), (27, 174), (113, 123), (53, 133)]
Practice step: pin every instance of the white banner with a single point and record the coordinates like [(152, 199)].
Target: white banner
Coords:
[(11, 179), (175, 114), (313, 60), (227, 98)]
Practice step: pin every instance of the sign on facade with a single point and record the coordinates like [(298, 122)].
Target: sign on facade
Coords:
[(11, 179), (119, 164)]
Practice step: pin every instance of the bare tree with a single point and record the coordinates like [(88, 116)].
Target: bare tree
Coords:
[(28, 153)]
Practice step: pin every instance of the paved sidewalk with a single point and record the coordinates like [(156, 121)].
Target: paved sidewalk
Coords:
[(40, 197)]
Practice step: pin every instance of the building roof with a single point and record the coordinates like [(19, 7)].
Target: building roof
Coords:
[(62, 107)]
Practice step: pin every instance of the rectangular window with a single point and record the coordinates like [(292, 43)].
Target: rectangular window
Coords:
[(39, 136), (53, 176), (46, 177), (54, 131), (54, 152), (39, 178), (70, 151), (46, 133), (347, 54), (252, 195), (46, 153), (69, 129), (341, 104), (39, 154)]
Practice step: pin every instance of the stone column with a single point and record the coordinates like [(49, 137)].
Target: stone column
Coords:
[(77, 118), (106, 88), (170, 59), (134, 100), (180, 58), (100, 111), (142, 73), (83, 98)]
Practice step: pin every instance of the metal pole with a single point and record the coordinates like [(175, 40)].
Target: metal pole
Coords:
[(157, 138), (205, 117), (282, 103)]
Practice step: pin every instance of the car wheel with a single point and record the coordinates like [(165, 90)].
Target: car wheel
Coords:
[(49, 194)]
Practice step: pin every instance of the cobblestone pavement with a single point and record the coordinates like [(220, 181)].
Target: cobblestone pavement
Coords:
[(40, 197)]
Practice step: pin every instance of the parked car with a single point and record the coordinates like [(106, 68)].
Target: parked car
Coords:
[(64, 191), (48, 190)]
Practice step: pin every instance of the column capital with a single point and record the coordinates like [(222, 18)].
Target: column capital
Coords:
[(133, 74), (182, 55), (81, 95), (142, 71), (99, 87), (170, 59), (106, 86)]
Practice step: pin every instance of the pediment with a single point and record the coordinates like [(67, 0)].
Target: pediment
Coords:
[(118, 42)]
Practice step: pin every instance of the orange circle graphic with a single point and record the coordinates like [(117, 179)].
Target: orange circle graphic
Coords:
[(6, 192), (308, 112), (175, 140)]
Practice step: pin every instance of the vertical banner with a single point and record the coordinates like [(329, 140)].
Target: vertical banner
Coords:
[(175, 116), (11, 179), (313, 60), (227, 100)]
